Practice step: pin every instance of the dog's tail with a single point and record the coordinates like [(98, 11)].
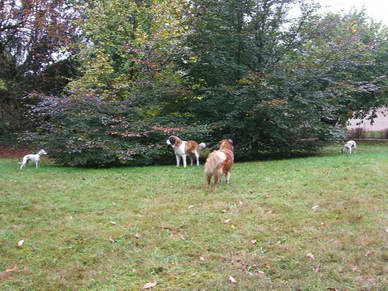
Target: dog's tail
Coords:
[(201, 146), (213, 163)]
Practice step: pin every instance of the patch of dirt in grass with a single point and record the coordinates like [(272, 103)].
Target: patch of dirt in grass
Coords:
[(7, 152)]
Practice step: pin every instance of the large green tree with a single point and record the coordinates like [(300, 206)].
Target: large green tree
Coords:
[(129, 46), (274, 81), (274, 75)]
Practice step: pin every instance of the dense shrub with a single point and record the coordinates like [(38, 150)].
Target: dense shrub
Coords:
[(91, 131), (97, 132)]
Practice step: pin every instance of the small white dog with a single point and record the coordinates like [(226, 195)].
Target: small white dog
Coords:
[(349, 146), (34, 158)]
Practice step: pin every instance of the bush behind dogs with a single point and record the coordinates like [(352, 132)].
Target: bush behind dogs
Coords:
[(92, 131)]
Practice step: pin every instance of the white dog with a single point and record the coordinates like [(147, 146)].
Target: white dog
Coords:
[(34, 158), (349, 146)]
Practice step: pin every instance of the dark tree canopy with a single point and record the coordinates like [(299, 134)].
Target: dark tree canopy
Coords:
[(35, 49), (274, 75)]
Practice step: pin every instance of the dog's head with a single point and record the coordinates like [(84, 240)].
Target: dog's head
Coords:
[(172, 140), (226, 143), (42, 152)]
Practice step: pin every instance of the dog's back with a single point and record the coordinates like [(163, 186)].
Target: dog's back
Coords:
[(191, 147), (349, 145), (220, 162), (26, 159), (214, 162), (32, 157)]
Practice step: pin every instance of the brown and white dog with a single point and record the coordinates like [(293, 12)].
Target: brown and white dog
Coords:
[(220, 162), (183, 149)]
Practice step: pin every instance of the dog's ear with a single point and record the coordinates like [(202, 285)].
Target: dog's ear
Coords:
[(172, 140)]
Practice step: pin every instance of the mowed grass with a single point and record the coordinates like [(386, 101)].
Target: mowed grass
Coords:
[(308, 223)]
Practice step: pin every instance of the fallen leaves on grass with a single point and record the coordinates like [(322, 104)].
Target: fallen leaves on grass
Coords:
[(137, 235), (14, 268), (354, 268), (310, 256), (227, 220), (5, 275), (268, 211), (315, 207), (8, 273), (112, 240), (232, 280), (190, 206), (150, 285), (317, 268), (20, 243), (174, 230), (253, 241), (369, 253)]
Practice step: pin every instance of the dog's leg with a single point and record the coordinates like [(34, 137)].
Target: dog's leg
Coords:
[(227, 177), (208, 180), (191, 160), (217, 178), (197, 157), (24, 163), (184, 160), (178, 160)]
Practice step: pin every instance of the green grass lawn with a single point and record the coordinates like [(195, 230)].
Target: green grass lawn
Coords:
[(308, 223)]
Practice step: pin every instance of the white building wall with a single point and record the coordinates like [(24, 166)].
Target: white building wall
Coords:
[(380, 122)]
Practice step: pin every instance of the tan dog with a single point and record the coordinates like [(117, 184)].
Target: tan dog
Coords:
[(183, 149), (220, 163)]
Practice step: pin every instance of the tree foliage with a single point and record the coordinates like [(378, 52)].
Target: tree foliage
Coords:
[(271, 81), (274, 75), (35, 43), (95, 131), (129, 47)]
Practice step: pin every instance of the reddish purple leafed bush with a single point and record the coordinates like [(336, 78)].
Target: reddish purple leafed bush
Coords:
[(91, 131)]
